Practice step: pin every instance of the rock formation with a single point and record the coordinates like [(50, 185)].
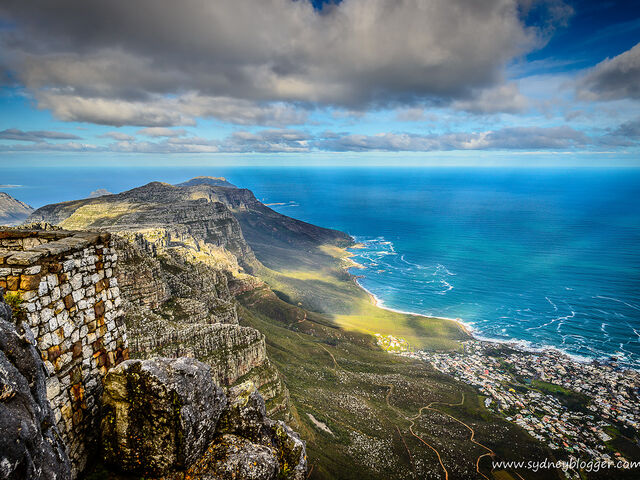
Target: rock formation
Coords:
[(30, 444), (166, 418), (12, 211), (159, 415), (183, 258)]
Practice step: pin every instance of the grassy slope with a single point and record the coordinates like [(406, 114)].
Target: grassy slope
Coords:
[(367, 397), (318, 282)]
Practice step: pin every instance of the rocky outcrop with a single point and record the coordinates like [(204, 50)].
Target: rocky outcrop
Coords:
[(12, 211), (178, 302), (166, 418), (159, 415), (30, 444)]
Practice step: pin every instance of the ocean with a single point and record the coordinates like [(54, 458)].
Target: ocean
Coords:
[(540, 257)]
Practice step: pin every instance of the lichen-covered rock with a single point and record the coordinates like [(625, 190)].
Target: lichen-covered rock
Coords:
[(159, 415), (234, 457), (30, 445), (246, 416)]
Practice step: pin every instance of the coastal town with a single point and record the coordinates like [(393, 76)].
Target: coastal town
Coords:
[(578, 408)]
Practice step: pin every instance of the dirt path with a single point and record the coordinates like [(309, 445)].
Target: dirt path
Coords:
[(413, 419), (473, 433)]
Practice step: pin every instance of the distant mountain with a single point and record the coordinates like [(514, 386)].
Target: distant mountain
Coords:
[(101, 192), (12, 211), (213, 181)]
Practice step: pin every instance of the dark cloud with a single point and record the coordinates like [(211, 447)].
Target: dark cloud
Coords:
[(629, 129), (35, 135), (613, 79), (625, 135), (161, 62)]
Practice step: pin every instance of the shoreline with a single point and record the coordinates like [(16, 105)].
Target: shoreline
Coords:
[(523, 346), (378, 302)]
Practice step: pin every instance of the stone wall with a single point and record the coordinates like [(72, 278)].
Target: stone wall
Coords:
[(63, 286)]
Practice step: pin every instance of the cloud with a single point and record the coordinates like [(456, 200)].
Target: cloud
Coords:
[(162, 63), (157, 112), (268, 141), (51, 147), (613, 79), (298, 141), (161, 132), (630, 129), (35, 135), (503, 98), (411, 115), (625, 135), (118, 136), (517, 138)]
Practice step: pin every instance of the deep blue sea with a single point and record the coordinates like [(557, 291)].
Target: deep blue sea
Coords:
[(546, 257)]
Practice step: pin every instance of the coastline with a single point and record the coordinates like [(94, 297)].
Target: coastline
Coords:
[(379, 303), (523, 346)]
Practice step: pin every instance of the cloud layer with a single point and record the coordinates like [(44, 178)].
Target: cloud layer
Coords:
[(163, 63)]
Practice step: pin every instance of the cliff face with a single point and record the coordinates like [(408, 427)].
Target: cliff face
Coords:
[(12, 211), (179, 301), (30, 443), (183, 258), (194, 430)]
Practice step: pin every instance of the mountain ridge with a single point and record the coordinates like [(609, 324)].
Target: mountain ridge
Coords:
[(12, 210)]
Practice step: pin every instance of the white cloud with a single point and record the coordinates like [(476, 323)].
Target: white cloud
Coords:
[(162, 132), (503, 98)]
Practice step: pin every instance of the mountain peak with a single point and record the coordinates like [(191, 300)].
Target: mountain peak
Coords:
[(206, 180), (12, 211)]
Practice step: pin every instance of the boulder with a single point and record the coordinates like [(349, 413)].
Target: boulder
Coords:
[(30, 444), (245, 416), (159, 415), (233, 457)]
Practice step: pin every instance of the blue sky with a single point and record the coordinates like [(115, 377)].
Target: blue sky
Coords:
[(281, 81)]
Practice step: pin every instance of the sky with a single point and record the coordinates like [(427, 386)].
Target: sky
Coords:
[(315, 82)]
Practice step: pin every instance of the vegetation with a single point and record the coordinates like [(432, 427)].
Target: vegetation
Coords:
[(327, 288), (15, 301), (367, 399)]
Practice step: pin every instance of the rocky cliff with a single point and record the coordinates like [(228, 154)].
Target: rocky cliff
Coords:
[(179, 300), (12, 211), (183, 258), (30, 443), (160, 418), (166, 418)]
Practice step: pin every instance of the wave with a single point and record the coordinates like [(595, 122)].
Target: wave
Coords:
[(411, 280)]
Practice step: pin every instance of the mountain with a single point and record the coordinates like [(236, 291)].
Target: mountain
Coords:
[(99, 193), (210, 272), (12, 211), (213, 181)]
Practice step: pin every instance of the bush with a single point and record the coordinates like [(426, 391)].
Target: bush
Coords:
[(15, 301)]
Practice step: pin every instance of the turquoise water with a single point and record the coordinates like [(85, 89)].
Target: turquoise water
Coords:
[(542, 257)]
